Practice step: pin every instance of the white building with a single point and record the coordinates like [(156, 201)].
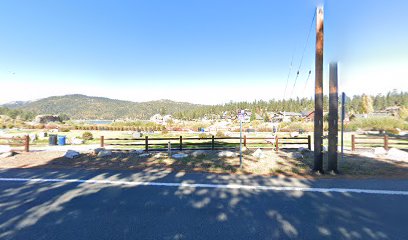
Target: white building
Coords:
[(157, 118)]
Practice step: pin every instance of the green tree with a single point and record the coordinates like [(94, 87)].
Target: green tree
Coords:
[(403, 113), (253, 115), (366, 104)]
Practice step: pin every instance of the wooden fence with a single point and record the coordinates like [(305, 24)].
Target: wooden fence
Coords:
[(378, 141), (192, 143), (16, 142)]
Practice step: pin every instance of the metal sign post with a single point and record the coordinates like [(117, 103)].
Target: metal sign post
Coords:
[(241, 115), (343, 116)]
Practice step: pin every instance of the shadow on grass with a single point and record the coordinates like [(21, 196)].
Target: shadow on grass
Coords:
[(274, 163)]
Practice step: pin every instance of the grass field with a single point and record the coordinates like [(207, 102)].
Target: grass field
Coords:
[(400, 143)]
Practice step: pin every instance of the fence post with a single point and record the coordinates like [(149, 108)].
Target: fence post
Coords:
[(353, 143), (27, 143), (212, 143), (277, 144), (102, 141), (309, 142), (386, 142), (147, 143), (244, 140), (181, 143)]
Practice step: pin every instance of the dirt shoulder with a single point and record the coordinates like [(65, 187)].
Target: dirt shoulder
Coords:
[(270, 164)]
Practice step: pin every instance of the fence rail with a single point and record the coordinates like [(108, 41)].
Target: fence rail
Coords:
[(379, 141), (213, 143), (16, 142)]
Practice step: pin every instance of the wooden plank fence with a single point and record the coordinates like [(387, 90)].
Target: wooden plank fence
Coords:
[(195, 143), (385, 141), (17, 142)]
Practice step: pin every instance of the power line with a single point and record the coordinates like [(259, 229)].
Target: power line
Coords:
[(307, 80), (307, 40), (303, 53), (287, 79)]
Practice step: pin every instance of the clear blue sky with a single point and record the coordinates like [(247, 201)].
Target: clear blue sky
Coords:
[(207, 51)]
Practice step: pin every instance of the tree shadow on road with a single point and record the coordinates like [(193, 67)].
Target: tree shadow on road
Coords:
[(108, 211)]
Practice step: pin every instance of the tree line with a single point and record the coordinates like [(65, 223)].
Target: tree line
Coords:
[(354, 105), (17, 114)]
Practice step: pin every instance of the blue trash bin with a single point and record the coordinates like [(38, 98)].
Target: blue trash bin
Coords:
[(61, 140)]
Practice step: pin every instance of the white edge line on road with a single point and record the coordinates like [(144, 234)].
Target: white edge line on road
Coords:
[(201, 185)]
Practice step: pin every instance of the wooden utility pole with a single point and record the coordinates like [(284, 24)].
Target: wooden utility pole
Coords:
[(333, 118), (318, 119)]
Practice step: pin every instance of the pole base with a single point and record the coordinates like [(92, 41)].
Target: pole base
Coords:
[(333, 172), (318, 171)]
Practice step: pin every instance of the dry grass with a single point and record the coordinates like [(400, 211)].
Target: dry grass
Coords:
[(272, 164)]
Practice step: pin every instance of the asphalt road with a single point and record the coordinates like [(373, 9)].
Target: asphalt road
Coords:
[(104, 210)]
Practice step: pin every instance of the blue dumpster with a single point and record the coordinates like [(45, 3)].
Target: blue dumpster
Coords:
[(61, 140), (52, 139)]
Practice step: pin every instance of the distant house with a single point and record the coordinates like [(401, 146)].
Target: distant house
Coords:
[(247, 117), (370, 115), (157, 118), (258, 117), (286, 116), (394, 110), (308, 116), (208, 117), (166, 119), (44, 119), (292, 114), (226, 116)]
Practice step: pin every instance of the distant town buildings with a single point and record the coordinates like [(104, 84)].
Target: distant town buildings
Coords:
[(44, 119), (163, 120)]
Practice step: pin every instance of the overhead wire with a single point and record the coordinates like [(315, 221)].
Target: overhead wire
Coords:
[(300, 65), (303, 54), (290, 71), (307, 80)]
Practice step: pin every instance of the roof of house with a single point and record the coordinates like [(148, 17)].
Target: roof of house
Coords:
[(290, 114)]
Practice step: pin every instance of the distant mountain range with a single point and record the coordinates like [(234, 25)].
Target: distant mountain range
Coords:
[(15, 104), (78, 106)]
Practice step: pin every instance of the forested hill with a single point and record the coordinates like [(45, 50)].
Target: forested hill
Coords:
[(78, 106), (85, 107)]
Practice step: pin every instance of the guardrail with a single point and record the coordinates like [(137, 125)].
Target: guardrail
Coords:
[(16, 141), (378, 141), (195, 143)]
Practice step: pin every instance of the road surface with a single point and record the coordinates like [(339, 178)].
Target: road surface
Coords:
[(153, 204)]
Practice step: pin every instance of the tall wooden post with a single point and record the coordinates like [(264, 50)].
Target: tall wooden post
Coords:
[(27, 143), (386, 147), (318, 119), (333, 118), (102, 141), (353, 143)]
